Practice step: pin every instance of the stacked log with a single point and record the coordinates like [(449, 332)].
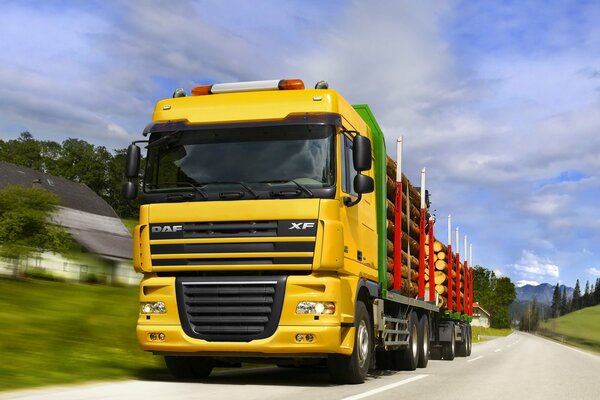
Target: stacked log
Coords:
[(411, 200)]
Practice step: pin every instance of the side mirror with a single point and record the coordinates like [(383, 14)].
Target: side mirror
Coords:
[(132, 162), (361, 153), (129, 190), (363, 184)]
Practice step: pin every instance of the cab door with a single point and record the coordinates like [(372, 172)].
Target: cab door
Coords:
[(360, 233)]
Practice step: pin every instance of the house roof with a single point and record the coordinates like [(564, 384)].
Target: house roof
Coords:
[(89, 219), (476, 305), (72, 194)]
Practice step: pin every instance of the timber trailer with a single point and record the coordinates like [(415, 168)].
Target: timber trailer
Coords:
[(274, 228)]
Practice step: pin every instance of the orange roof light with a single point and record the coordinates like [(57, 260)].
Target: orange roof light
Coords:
[(201, 90), (291, 84), (254, 86)]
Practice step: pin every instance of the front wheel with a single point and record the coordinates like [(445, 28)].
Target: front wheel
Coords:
[(354, 368)]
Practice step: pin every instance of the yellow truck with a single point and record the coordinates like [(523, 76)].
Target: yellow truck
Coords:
[(262, 236)]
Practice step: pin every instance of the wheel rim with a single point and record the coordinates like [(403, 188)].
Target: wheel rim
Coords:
[(414, 342), (363, 343)]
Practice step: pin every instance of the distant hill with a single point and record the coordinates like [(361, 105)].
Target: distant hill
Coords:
[(542, 293)]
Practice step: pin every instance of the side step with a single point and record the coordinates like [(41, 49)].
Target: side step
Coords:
[(394, 329)]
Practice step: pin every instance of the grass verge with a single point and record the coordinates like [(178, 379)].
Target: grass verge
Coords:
[(481, 334), (579, 329), (56, 332)]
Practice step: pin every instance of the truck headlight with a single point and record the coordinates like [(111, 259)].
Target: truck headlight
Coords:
[(157, 307), (315, 307)]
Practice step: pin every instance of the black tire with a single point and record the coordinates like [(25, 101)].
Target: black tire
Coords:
[(354, 368), (469, 340), (189, 367), (449, 348), (423, 341), (407, 358), (461, 347)]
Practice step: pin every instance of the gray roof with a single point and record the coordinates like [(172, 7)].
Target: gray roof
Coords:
[(72, 194), (105, 236), (88, 218)]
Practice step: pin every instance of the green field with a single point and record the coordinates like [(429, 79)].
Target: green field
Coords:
[(580, 328), (480, 333), (54, 333)]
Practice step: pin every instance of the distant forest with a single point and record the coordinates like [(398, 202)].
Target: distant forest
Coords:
[(561, 304)]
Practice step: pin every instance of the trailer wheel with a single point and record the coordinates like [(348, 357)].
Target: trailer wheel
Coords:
[(469, 340), (407, 358), (189, 367), (449, 348), (423, 341), (461, 347), (354, 368)]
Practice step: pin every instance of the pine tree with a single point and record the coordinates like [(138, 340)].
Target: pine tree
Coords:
[(585, 300), (576, 301), (597, 292), (564, 307), (556, 302)]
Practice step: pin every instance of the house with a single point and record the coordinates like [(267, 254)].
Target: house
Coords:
[(480, 316), (90, 221)]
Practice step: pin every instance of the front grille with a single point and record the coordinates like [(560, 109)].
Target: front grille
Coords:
[(193, 244), (235, 309)]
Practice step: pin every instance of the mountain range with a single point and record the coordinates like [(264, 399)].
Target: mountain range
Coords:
[(542, 293)]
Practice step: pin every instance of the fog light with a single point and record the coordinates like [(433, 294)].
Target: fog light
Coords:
[(315, 307), (156, 337), (299, 337), (310, 337), (157, 307)]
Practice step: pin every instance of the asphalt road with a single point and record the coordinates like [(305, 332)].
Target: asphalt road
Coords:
[(519, 366)]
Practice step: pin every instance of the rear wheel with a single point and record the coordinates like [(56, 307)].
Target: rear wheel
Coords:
[(354, 368), (469, 340), (189, 367), (449, 348), (423, 341), (461, 347), (408, 358)]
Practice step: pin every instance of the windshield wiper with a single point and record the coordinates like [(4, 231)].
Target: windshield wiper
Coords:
[(300, 186), (165, 139), (189, 184), (243, 184)]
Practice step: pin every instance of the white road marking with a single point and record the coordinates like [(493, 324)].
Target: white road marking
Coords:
[(497, 350), (384, 388), (475, 359)]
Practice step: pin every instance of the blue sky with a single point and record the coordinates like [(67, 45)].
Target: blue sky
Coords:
[(500, 100)]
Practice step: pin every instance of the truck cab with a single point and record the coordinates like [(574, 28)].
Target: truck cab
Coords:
[(258, 233)]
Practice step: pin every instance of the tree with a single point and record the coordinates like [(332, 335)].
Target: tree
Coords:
[(576, 300), (556, 301), (564, 305), (585, 299), (597, 292), (495, 294), (25, 225)]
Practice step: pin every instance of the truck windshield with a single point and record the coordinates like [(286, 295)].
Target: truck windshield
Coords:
[(255, 161)]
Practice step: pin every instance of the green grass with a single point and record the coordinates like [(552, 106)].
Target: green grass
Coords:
[(479, 333), (56, 332), (580, 328)]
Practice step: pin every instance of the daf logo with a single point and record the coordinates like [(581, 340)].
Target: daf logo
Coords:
[(167, 229), (302, 225)]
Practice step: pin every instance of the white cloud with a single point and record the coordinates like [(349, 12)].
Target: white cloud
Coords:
[(534, 267), (525, 282), (593, 271)]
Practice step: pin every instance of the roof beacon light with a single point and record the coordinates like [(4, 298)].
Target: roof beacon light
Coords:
[(254, 86)]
